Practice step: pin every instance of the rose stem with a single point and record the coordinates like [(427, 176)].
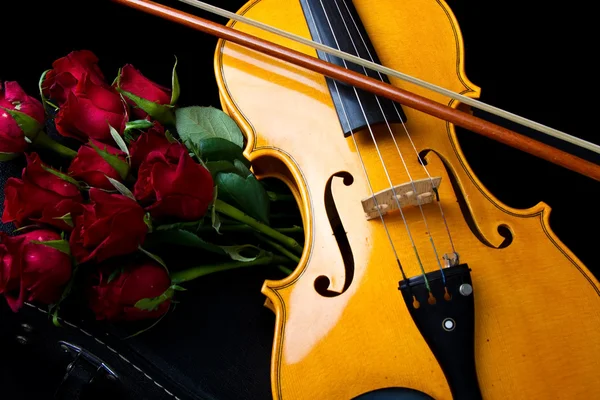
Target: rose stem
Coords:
[(43, 140), (234, 213), (281, 197), (197, 272), (284, 269), (279, 247), (195, 227)]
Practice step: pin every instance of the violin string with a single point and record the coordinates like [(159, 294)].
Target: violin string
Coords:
[(389, 128), (364, 168), (385, 170), (400, 75), (405, 130)]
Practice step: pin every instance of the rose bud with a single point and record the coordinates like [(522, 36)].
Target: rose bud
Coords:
[(110, 225), (153, 139), (90, 167), (31, 271), (14, 99), (67, 71), (89, 110), (115, 300), (134, 82), (171, 184), (40, 196)]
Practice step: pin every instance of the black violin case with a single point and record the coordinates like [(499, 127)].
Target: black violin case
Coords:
[(217, 343)]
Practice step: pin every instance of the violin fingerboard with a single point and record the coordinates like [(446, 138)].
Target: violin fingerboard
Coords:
[(337, 24)]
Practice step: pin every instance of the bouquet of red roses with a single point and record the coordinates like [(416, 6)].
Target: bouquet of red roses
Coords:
[(127, 176)]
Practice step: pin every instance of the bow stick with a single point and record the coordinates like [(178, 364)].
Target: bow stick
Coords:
[(404, 97)]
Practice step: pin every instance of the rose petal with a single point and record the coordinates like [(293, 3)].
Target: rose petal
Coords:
[(133, 81), (13, 93), (67, 71), (37, 175), (152, 140), (111, 225), (81, 116), (92, 168)]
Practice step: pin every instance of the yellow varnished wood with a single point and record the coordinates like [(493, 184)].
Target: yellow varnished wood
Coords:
[(537, 321)]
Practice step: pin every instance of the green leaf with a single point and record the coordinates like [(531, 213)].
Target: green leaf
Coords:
[(242, 168), (138, 124), (61, 245), (114, 161), (41, 81), (67, 219), (220, 166), (118, 139), (216, 222), (151, 304), (247, 194), (219, 149), (154, 257), (30, 126), (235, 252), (62, 176), (8, 156), (214, 217), (114, 274), (117, 80), (128, 137), (55, 319), (25, 227), (197, 123), (170, 137), (179, 288), (148, 222), (182, 238), (175, 85), (159, 112), (124, 190)]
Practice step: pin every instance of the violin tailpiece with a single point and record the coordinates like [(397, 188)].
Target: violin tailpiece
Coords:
[(445, 316)]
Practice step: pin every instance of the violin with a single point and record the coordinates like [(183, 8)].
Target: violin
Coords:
[(416, 281)]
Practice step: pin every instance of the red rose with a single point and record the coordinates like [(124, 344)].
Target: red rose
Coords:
[(115, 300), (134, 82), (89, 110), (173, 185), (111, 225), (12, 97), (67, 71), (90, 167), (153, 139), (30, 271), (40, 196)]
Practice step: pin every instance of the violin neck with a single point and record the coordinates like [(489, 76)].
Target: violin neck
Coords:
[(338, 25)]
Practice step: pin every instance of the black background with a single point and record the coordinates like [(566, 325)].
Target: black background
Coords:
[(531, 58)]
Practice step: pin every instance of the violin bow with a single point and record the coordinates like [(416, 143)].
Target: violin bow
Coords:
[(402, 96)]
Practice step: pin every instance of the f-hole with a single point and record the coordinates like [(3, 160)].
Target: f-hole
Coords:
[(503, 230), (322, 282)]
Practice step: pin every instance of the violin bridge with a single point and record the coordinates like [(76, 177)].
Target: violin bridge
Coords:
[(412, 193)]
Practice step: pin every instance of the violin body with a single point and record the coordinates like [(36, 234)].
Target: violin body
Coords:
[(536, 320)]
